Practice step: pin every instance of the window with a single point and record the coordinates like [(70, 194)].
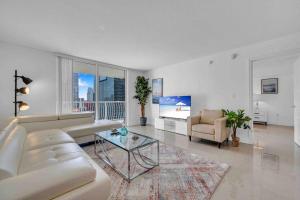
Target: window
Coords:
[(111, 93), (83, 86), (92, 87)]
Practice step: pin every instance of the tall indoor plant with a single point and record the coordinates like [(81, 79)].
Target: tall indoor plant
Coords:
[(234, 121), (142, 92)]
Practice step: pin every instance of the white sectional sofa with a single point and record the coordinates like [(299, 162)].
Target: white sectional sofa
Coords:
[(80, 126), (39, 159)]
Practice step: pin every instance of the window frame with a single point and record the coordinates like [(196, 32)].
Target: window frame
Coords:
[(97, 64)]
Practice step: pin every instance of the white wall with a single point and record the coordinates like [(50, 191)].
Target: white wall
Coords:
[(279, 107), (297, 101), (133, 108), (41, 67), (223, 84)]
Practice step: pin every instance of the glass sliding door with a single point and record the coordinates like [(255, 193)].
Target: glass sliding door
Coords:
[(84, 87), (98, 88), (111, 93)]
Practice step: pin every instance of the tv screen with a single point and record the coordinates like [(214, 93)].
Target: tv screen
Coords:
[(175, 106)]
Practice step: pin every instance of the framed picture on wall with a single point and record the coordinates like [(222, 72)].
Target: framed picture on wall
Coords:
[(269, 86), (157, 90)]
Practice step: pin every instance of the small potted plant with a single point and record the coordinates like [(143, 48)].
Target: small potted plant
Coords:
[(142, 90), (236, 120)]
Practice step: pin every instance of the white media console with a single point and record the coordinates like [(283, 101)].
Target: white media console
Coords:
[(172, 125)]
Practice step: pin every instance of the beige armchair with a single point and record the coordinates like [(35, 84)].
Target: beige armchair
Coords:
[(209, 125)]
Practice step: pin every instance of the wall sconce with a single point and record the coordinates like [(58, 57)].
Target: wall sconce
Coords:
[(23, 90)]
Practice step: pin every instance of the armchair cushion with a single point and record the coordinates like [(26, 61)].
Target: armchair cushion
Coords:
[(204, 128), (209, 116)]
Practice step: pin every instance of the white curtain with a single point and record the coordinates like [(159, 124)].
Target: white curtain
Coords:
[(66, 77)]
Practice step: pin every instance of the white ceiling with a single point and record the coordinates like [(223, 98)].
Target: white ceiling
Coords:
[(145, 34)]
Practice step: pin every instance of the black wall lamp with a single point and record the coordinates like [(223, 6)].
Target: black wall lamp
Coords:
[(24, 90)]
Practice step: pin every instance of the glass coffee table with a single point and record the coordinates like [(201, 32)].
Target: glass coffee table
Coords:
[(140, 152)]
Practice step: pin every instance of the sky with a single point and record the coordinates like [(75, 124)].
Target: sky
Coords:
[(85, 81), (173, 100)]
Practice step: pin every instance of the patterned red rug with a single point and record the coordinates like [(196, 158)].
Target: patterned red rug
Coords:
[(180, 175)]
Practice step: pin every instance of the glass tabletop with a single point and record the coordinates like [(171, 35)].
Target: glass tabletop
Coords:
[(130, 141)]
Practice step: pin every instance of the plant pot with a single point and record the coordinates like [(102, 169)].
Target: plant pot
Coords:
[(235, 141), (143, 121)]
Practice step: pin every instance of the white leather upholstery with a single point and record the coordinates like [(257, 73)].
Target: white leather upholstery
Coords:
[(76, 115), (11, 152), (46, 138), (44, 157), (59, 124), (90, 129), (50, 182), (9, 124), (99, 189), (37, 118), (47, 164), (6, 127)]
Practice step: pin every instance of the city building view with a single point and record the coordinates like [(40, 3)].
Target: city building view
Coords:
[(111, 95)]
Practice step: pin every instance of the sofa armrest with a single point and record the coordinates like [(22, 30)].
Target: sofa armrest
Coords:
[(192, 120), (49, 182), (221, 132)]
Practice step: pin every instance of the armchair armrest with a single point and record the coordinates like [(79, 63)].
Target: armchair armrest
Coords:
[(221, 132), (192, 120)]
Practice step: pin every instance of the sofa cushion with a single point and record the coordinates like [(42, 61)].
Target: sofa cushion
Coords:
[(204, 128), (50, 182), (76, 115), (47, 156), (11, 152), (89, 129), (39, 139), (209, 116), (37, 118)]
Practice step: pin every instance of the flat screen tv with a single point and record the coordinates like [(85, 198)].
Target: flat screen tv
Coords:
[(175, 107)]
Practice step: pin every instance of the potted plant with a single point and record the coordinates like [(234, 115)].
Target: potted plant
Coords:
[(236, 120), (142, 90)]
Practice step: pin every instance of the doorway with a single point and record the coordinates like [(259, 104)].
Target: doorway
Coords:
[(274, 88)]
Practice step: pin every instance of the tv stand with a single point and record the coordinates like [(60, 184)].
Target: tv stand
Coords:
[(172, 125)]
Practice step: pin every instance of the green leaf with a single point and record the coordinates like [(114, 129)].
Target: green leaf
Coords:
[(236, 119), (142, 90)]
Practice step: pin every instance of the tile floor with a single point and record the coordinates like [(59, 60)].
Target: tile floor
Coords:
[(269, 169)]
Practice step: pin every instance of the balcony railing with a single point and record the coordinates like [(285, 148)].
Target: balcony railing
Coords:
[(112, 110)]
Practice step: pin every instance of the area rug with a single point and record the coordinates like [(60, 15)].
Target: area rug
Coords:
[(180, 175)]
